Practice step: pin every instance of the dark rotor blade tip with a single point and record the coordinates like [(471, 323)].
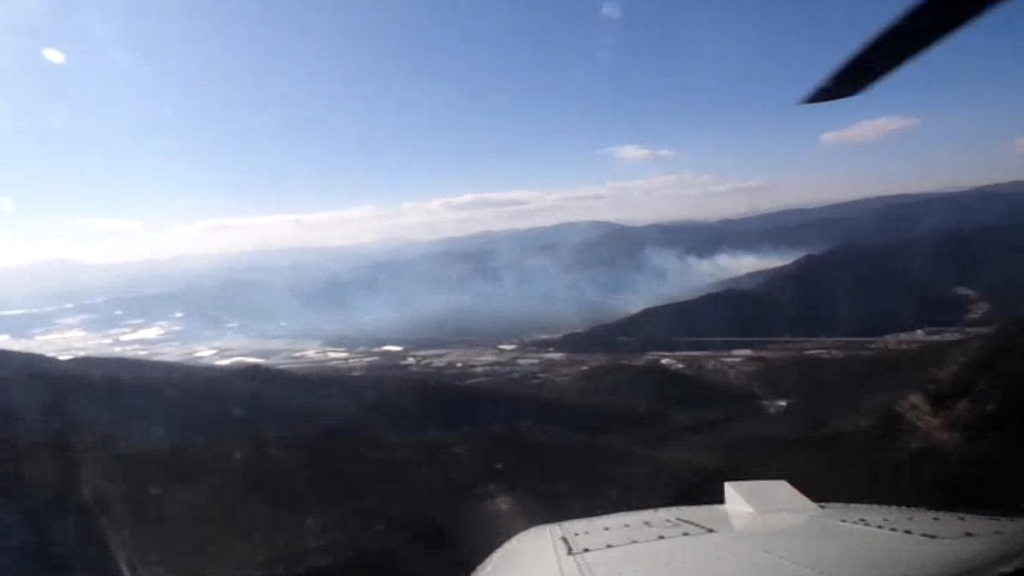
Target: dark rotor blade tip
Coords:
[(920, 28)]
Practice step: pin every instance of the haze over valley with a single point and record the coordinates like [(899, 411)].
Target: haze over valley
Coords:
[(404, 409), (493, 287)]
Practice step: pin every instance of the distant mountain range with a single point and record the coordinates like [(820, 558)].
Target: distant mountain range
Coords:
[(516, 283), (878, 219), (949, 278)]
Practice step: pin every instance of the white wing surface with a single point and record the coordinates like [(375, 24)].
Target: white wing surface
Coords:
[(766, 528)]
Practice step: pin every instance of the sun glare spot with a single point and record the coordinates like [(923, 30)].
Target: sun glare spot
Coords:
[(54, 56)]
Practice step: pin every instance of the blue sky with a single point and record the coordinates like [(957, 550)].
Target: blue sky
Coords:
[(193, 126)]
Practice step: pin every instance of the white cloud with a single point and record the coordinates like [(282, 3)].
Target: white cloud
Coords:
[(647, 199), (667, 197), (110, 224), (635, 152), (1018, 145), (54, 56), (469, 202), (6, 204), (611, 10), (870, 130)]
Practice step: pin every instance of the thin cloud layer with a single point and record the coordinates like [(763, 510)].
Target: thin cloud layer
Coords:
[(611, 10), (674, 196), (110, 224), (6, 204), (869, 130), (1018, 145), (636, 152), (647, 199)]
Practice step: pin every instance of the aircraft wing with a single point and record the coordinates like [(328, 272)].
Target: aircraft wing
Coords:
[(766, 528)]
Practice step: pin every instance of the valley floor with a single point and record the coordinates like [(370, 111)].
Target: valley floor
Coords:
[(398, 467)]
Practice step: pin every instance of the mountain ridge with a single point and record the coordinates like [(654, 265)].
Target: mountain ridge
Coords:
[(853, 290)]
